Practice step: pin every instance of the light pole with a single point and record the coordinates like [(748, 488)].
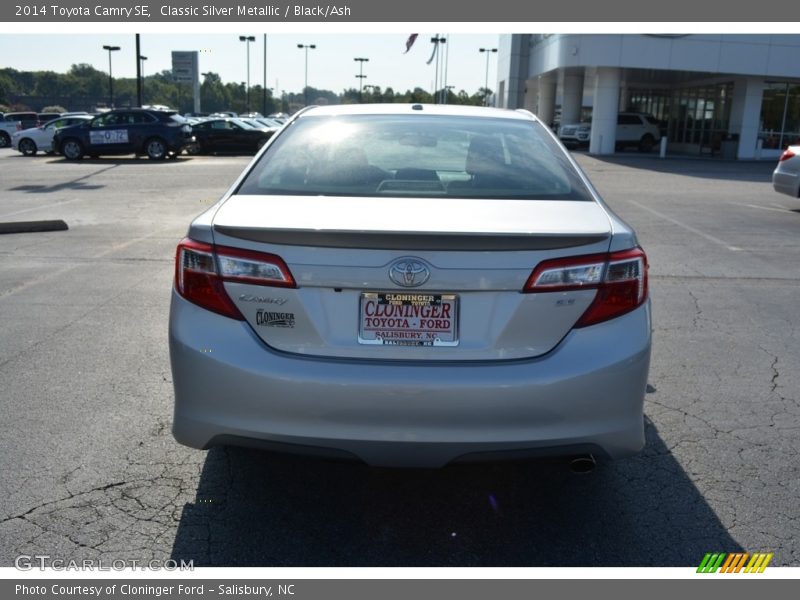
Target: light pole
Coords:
[(447, 89), (247, 39), (436, 41), (488, 51), (141, 85), (360, 76), (371, 90), (110, 76), (305, 87)]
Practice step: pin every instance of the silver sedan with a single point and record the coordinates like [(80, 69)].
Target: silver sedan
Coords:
[(786, 177), (411, 285)]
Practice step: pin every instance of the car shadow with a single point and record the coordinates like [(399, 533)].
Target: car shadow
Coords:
[(256, 508), (77, 184), (701, 167), (118, 160)]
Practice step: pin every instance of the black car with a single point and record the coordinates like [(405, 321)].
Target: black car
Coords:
[(159, 134), (227, 135)]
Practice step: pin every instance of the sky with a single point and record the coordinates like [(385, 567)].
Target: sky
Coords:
[(330, 65)]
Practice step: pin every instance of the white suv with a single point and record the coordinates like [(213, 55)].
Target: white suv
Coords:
[(633, 129)]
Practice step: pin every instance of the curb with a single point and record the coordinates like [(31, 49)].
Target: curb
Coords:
[(33, 226)]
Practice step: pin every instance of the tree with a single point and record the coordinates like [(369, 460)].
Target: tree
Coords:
[(85, 80), (214, 96)]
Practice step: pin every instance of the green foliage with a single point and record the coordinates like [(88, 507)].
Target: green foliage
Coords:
[(84, 88)]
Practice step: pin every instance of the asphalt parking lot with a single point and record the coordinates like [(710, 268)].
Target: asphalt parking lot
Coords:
[(89, 468)]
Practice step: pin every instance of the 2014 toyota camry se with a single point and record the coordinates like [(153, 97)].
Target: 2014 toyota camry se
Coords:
[(411, 285)]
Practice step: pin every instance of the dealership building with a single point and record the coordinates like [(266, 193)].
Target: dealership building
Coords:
[(714, 94)]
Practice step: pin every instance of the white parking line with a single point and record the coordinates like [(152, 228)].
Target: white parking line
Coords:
[(783, 210), (43, 207), (688, 228), (110, 250)]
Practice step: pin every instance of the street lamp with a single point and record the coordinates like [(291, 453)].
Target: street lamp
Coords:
[(110, 76), (360, 75), (247, 39), (436, 41), (305, 87), (486, 81), (141, 73)]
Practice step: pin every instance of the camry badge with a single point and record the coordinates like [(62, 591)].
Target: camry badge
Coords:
[(409, 272)]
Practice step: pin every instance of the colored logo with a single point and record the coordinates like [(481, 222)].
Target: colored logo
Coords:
[(735, 562)]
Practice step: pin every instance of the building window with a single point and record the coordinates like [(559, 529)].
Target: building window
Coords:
[(694, 116), (780, 115)]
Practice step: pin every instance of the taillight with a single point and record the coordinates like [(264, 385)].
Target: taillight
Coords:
[(620, 279), (201, 269), (787, 154)]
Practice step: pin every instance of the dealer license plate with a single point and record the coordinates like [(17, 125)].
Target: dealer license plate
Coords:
[(408, 319), (108, 136)]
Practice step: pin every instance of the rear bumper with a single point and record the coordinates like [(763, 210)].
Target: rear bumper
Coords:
[(786, 183), (585, 394)]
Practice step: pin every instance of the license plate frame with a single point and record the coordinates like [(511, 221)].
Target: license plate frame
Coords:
[(408, 319)]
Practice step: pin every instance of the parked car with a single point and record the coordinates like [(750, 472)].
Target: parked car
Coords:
[(786, 177), (8, 127), (411, 285), (40, 139), (270, 123), (158, 134), (227, 135), (633, 129), (575, 135), (27, 119), (42, 118)]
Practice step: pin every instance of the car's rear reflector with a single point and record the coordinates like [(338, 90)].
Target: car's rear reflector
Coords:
[(620, 279), (201, 270)]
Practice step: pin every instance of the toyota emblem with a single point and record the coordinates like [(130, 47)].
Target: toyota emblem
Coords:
[(409, 272)]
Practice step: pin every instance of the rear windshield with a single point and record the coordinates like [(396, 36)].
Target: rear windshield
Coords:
[(415, 155)]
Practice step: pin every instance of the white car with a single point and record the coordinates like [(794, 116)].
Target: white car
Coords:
[(633, 129), (30, 141), (786, 177)]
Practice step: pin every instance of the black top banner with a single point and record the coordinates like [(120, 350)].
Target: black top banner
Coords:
[(354, 11)]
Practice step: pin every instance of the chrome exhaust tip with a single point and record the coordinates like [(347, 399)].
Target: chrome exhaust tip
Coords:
[(582, 465)]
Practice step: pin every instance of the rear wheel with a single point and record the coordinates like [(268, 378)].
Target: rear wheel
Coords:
[(72, 149), (194, 148), (156, 149), (5, 140), (27, 146), (646, 143)]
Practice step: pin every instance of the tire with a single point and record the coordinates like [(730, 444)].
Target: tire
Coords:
[(27, 146), (5, 140), (155, 148), (194, 149), (72, 149), (646, 143)]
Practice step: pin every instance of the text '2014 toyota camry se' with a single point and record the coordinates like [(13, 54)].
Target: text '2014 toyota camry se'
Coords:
[(411, 285)]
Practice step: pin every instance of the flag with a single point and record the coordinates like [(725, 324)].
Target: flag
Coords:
[(410, 42)]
